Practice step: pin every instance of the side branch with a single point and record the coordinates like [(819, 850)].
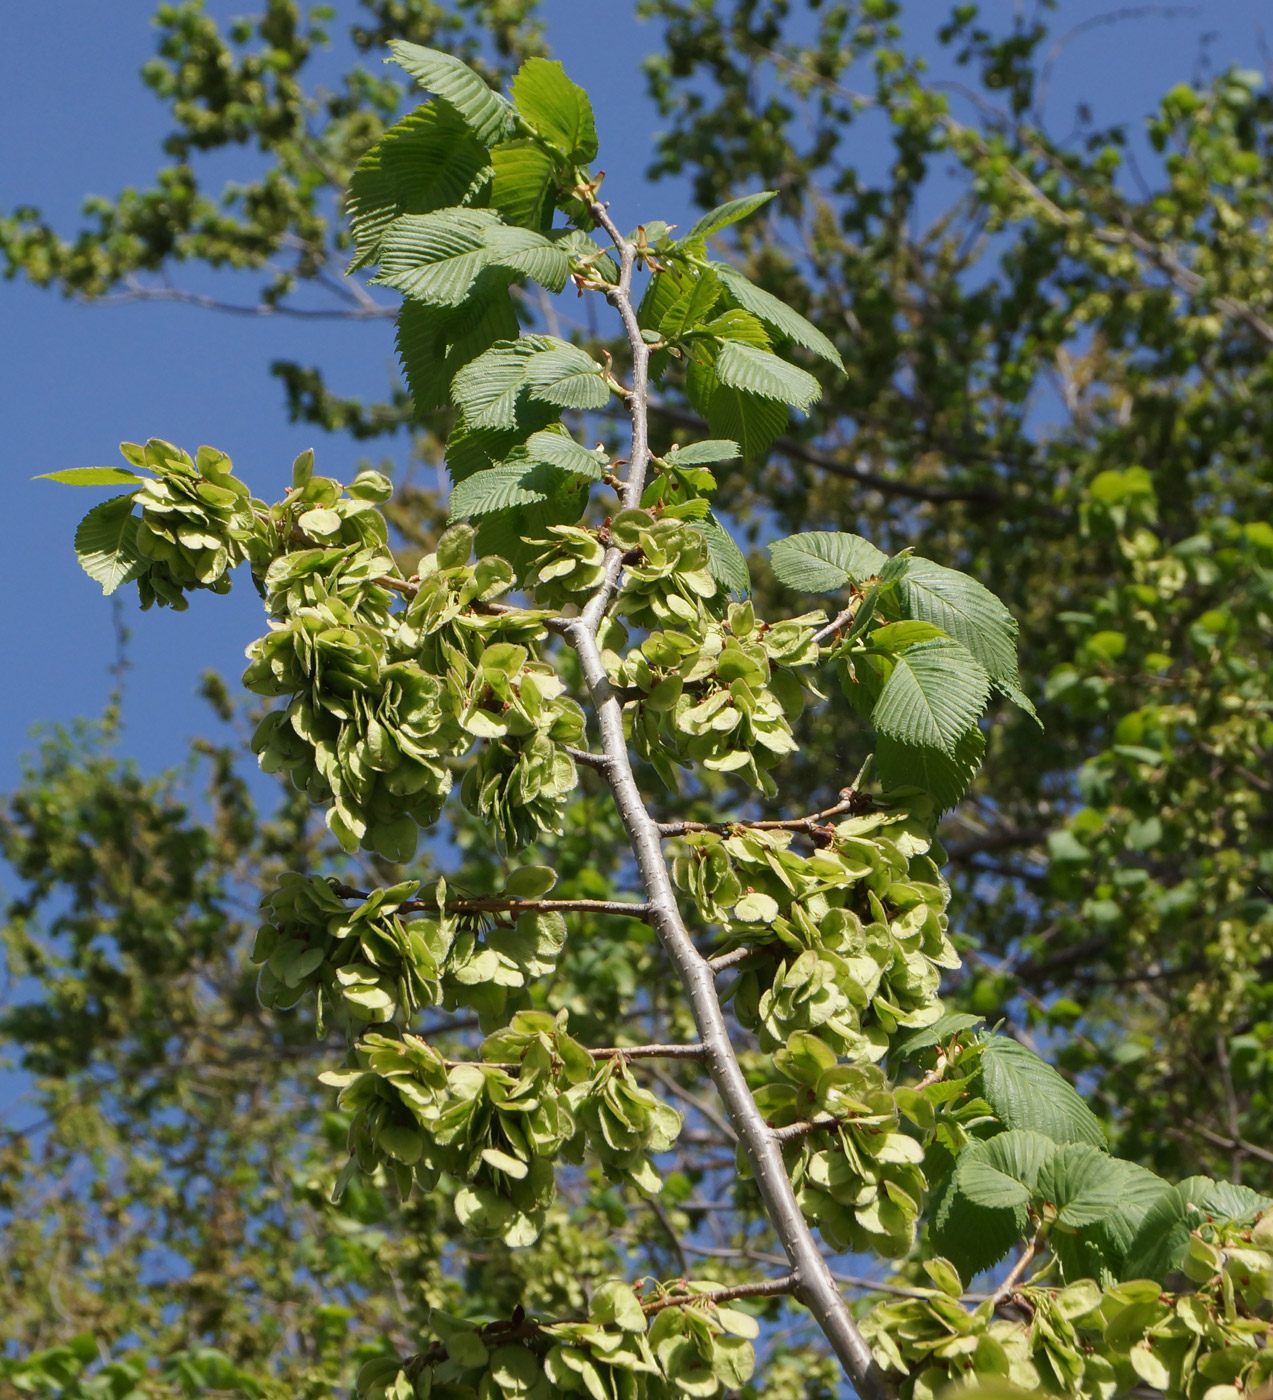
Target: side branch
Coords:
[(610, 1052), (499, 904), (850, 801), (764, 1288)]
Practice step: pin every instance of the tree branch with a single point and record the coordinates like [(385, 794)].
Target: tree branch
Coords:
[(765, 1288), (1019, 1268), (609, 1052), (812, 1282), (850, 801), (498, 904)]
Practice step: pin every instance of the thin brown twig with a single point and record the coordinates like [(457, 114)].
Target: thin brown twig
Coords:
[(850, 801), (1018, 1269), (605, 1052), (764, 1288), (496, 904)]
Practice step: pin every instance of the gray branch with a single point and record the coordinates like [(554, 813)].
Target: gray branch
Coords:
[(811, 1280)]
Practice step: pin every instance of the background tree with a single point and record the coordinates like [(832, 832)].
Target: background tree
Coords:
[(1051, 387)]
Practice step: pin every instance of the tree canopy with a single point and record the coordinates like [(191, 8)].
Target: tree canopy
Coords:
[(845, 835)]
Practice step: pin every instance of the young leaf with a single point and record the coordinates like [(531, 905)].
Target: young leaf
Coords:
[(488, 115), (725, 561), (777, 315), (94, 476), (823, 561), (1026, 1092), (556, 108), (427, 161), (933, 696), (699, 453), (566, 376), (579, 245), (487, 388), (530, 253), (106, 544), (435, 257), (559, 449), (524, 179), (967, 611), (499, 488), (692, 306), (756, 371), (945, 777), (749, 420), (728, 213)]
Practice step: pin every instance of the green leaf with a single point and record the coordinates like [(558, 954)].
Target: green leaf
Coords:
[(753, 422), (739, 325), (566, 376), (1026, 1092), (1001, 1172), (725, 561), (934, 694), (559, 449), (499, 488), (971, 1236), (757, 371), (531, 254), (1139, 1190), (487, 388), (106, 544), (488, 115), (692, 306), (556, 108), (904, 1046), (945, 777), (1160, 1243), (822, 561), (429, 160), (524, 179), (728, 213), (435, 257), (579, 245), (1084, 1183), (967, 611), (94, 476), (698, 453), (421, 344), (777, 315)]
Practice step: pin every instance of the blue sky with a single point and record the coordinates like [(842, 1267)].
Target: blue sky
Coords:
[(78, 379)]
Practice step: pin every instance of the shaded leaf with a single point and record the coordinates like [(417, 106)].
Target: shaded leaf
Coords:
[(725, 561), (429, 160)]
